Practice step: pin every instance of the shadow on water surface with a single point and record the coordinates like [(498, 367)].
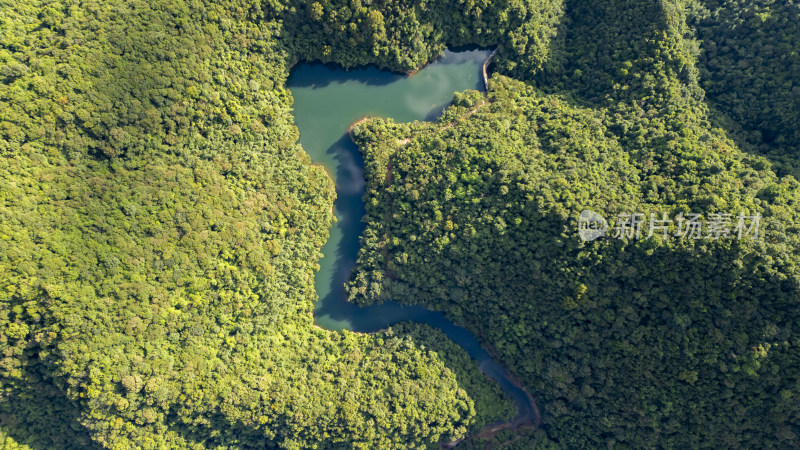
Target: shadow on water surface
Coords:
[(350, 209), (320, 75)]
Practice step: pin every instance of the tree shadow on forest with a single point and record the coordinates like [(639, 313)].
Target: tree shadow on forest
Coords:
[(749, 69), (41, 417), (593, 42)]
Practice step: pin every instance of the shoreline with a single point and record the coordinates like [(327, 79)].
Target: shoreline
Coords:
[(358, 122)]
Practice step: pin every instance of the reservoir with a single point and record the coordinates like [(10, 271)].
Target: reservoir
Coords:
[(327, 99)]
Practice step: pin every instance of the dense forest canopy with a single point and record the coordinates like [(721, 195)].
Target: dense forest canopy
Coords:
[(638, 342), (160, 225)]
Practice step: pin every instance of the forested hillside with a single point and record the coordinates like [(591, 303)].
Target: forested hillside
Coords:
[(750, 65), (160, 226), (639, 342)]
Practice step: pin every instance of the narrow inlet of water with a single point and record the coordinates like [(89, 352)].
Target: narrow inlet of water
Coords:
[(327, 99)]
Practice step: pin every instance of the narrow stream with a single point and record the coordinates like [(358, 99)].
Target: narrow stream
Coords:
[(326, 101)]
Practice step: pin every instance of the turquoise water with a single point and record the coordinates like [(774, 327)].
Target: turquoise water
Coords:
[(327, 100)]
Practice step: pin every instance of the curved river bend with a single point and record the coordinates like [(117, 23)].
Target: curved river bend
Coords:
[(326, 101)]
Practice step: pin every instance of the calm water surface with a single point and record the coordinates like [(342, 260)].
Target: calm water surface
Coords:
[(327, 100)]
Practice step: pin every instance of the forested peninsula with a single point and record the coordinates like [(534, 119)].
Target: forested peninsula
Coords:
[(160, 226)]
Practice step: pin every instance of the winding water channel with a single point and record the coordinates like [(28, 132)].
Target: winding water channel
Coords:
[(327, 100)]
